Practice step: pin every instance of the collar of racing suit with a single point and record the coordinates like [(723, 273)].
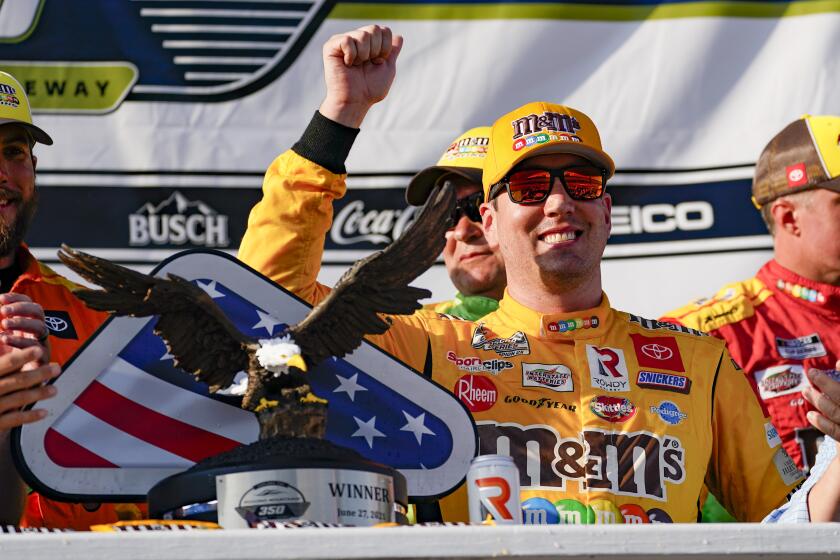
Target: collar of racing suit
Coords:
[(583, 324), (471, 308), (815, 295)]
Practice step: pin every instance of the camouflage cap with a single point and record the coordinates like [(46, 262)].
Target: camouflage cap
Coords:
[(805, 155)]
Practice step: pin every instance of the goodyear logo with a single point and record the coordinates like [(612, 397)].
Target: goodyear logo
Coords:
[(205, 51)]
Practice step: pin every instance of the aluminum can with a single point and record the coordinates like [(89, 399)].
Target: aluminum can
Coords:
[(493, 490)]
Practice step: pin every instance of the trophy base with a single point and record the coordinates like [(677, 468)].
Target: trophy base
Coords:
[(283, 479)]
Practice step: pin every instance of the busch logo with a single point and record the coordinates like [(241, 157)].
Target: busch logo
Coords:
[(516, 344), (554, 122), (353, 225), (177, 221), (478, 393), (634, 463)]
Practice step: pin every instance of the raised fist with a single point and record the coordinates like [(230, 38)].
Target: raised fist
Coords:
[(359, 68)]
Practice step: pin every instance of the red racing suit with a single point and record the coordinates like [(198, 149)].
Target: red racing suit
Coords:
[(610, 417), (70, 323), (776, 325)]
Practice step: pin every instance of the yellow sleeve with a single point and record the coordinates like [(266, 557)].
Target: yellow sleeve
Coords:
[(285, 241), (750, 472), (287, 228)]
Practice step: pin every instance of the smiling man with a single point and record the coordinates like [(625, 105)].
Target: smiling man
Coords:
[(29, 292), (609, 417), (476, 271)]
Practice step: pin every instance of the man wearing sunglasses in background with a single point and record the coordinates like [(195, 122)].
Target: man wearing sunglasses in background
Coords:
[(477, 272), (608, 416), (781, 326)]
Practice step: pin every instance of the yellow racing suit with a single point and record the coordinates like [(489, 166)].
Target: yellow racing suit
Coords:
[(610, 417)]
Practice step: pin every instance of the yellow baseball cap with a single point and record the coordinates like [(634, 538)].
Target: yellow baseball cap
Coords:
[(541, 128), (805, 155), (464, 157), (14, 107)]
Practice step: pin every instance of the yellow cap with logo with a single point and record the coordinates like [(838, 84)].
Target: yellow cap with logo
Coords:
[(464, 157), (14, 108), (541, 128), (805, 155)]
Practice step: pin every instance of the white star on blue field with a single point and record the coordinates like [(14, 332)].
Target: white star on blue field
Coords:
[(381, 422)]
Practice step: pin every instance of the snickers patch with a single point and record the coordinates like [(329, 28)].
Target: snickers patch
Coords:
[(664, 381), (809, 346)]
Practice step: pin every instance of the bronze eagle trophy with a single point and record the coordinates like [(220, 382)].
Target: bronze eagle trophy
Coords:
[(205, 343)]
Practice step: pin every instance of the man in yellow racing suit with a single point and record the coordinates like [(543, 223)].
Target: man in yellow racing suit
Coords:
[(609, 417)]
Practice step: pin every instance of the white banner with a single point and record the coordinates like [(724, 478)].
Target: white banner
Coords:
[(163, 108)]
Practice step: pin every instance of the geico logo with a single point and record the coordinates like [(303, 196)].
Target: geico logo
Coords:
[(178, 229), (629, 463), (692, 215), (353, 225)]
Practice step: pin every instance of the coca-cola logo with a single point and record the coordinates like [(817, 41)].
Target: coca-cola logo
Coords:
[(612, 409), (354, 224), (478, 393)]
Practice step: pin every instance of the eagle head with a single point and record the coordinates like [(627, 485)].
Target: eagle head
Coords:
[(277, 354)]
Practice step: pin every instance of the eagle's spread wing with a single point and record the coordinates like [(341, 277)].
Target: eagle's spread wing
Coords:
[(197, 333), (377, 284)]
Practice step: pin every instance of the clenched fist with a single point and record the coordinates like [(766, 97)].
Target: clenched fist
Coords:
[(359, 68)]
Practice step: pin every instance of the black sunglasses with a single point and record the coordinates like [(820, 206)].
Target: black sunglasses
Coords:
[(467, 206), (531, 186)]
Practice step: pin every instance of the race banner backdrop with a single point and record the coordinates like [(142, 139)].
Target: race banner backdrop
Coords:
[(125, 417), (166, 113)]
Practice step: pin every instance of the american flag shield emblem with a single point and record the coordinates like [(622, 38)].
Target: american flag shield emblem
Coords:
[(124, 417)]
